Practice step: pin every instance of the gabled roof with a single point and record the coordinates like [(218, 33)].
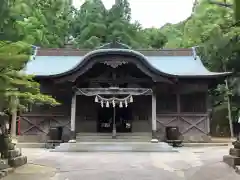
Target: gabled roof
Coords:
[(169, 62)]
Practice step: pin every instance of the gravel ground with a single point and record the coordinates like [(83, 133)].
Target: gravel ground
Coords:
[(199, 163)]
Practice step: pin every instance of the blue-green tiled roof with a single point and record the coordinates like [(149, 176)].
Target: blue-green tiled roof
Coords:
[(173, 65), (52, 65)]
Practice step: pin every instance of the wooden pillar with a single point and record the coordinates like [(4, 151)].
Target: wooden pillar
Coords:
[(178, 103), (73, 119), (154, 116), (209, 112)]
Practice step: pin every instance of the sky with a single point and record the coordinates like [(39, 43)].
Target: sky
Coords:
[(154, 13)]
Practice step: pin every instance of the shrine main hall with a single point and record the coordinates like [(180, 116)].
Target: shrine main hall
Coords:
[(117, 91)]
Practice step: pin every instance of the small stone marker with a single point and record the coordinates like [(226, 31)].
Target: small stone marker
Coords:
[(154, 141)]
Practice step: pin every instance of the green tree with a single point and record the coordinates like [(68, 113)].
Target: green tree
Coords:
[(94, 25), (89, 26), (213, 29), (233, 4), (45, 22), (18, 89), (154, 38)]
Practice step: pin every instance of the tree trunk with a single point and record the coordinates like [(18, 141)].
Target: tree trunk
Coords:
[(14, 104), (229, 111)]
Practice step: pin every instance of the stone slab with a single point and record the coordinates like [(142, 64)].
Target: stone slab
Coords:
[(235, 152), (205, 144), (114, 147), (18, 161), (232, 161), (5, 172), (188, 164), (31, 145)]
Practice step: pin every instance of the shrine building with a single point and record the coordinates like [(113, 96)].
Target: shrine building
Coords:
[(116, 90)]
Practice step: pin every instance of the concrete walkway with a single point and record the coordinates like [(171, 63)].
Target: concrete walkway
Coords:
[(188, 164)]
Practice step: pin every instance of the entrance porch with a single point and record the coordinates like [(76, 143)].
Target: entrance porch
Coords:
[(120, 119)]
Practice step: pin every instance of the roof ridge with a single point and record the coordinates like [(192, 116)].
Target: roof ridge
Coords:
[(82, 52), (78, 49)]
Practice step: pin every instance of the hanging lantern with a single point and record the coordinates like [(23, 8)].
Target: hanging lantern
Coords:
[(96, 99), (113, 103), (131, 99), (120, 104), (102, 104), (126, 104), (107, 104)]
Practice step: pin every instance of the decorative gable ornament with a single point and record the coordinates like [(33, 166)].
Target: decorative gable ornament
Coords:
[(114, 63)]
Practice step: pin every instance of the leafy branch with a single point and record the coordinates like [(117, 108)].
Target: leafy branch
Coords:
[(223, 4)]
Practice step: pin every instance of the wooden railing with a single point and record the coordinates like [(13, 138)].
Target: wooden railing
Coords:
[(40, 123), (186, 122)]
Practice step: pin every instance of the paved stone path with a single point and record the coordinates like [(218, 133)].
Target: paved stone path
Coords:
[(188, 164)]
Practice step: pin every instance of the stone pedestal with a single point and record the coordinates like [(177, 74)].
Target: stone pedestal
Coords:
[(15, 158), (233, 159), (17, 161)]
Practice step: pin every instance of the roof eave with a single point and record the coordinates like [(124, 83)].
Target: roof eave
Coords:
[(212, 76), (208, 76)]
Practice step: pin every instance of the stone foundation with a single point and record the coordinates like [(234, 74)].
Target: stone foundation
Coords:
[(13, 154), (17, 161), (233, 159), (235, 152), (3, 164)]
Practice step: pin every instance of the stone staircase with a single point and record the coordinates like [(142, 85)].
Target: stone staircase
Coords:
[(107, 137), (103, 142), (114, 147)]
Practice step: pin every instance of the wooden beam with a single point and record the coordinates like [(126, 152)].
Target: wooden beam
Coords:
[(178, 103), (119, 80), (183, 114), (154, 114), (42, 115), (113, 91)]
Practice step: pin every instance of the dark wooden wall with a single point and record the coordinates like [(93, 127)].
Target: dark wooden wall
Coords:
[(190, 115)]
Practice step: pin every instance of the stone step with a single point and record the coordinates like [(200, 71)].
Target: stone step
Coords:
[(232, 161), (114, 147), (110, 134), (113, 140), (108, 138)]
